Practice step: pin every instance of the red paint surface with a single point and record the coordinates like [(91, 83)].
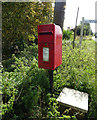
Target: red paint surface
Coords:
[(50, 35)]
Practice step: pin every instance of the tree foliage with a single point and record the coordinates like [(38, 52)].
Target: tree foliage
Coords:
[(20, 21), (67, 34), (86, 30)]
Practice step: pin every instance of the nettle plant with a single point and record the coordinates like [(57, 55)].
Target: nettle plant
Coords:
[(25, 83)]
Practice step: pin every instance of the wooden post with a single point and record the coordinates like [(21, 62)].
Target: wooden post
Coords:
[(75, 28), (81, 34), (74, 37)]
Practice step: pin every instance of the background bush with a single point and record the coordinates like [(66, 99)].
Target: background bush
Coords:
[(67, 34)]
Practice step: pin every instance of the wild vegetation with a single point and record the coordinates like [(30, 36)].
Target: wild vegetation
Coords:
[(25, 87), (86, 29)]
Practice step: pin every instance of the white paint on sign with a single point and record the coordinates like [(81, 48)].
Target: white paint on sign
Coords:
[(74, 98)]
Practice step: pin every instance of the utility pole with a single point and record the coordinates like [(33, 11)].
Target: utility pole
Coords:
[(75, 28)]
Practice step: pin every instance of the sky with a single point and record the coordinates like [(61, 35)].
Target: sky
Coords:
[(86, 10)]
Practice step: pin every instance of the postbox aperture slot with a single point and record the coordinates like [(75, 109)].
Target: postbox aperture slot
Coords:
[(45, 33)]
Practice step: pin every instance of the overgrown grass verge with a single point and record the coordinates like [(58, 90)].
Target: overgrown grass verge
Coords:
[(26, 93)]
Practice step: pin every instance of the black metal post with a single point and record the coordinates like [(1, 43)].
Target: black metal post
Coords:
[(51, 80)]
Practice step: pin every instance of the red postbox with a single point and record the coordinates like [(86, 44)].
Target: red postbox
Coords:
[(49, 46)]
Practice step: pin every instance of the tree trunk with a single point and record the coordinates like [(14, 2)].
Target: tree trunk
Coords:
[(59, 13)]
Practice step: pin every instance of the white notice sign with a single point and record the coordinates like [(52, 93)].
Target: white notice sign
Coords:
[(45, 54)]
